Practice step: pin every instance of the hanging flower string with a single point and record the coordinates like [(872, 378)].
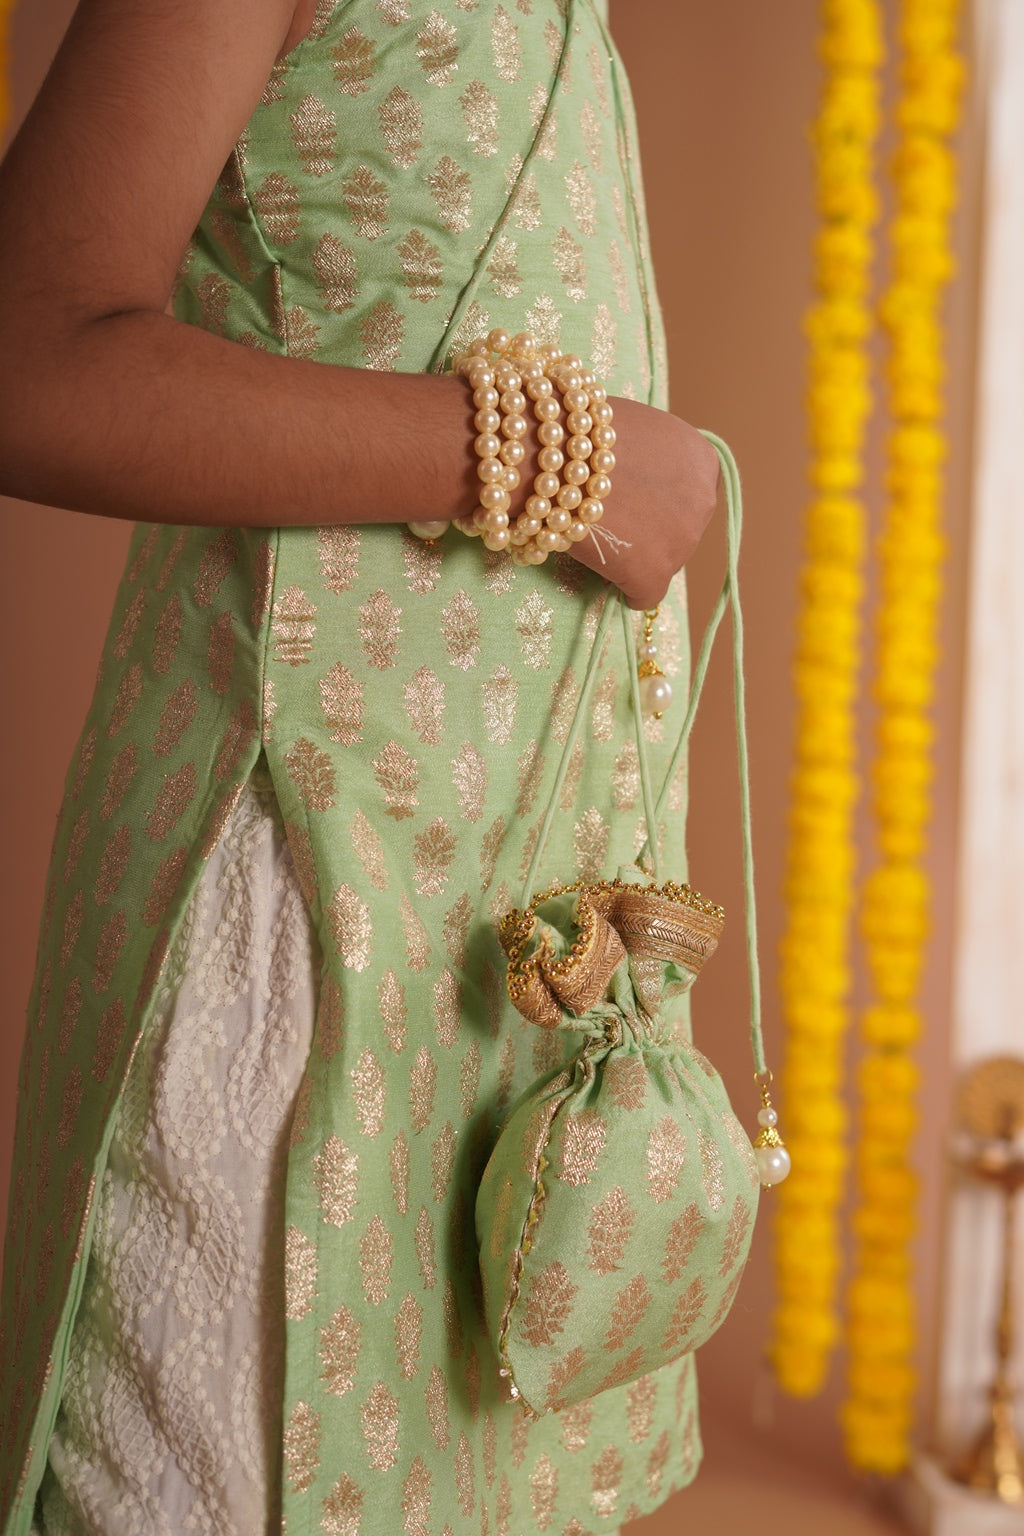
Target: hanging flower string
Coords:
[(820, 866), (877, 1414)]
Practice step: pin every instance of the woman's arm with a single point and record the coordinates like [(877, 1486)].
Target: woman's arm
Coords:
[(117, 409)]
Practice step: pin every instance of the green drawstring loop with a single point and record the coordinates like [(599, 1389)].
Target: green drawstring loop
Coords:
[(653, 810)]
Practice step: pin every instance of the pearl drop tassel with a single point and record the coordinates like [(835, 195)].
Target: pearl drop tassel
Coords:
[(770, 1153), (655, 688)]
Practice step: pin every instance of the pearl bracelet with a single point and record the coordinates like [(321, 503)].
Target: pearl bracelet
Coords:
[(504, 373)]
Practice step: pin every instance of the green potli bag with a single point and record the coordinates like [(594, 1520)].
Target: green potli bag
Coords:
[(615, 1214)]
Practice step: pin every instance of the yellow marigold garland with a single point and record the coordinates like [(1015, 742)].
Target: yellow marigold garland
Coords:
[(820, 866), (877, 1413)]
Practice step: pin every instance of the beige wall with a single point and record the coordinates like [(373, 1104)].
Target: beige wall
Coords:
[(724, 93)]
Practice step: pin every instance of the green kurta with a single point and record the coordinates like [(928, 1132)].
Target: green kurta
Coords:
[(413, 176)]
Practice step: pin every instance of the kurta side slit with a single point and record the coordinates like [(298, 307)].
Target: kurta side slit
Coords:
[(411, 178)]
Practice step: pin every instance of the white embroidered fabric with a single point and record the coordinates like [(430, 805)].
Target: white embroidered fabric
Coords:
[(170, 1423)]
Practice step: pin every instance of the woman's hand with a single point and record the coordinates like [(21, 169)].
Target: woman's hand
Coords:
[(664, 492)]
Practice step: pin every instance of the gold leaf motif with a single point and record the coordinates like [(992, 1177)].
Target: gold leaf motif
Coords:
[(489, 850), (582, 200), (619, 206), (629, 1309), (503, 268), (433, 852), (576, 1426), (71, 1007), (641, 1398), (330, 1018), (611, 1224), (571, 265), (606, 1479), (339, 1352), (534, 624), (337, 281), (314, 135), (170, 561), (380, 628), (393, 1011), (122, 771), (583, 1139), (398, 1164), (408, 1333), (480, 115), (301, 1445), (416, 1500), (421, 265), (241, 729), (685, 1316), (369, 1091), (214, 295), (735, 1236), (442, 1161), (727, 1300), (460, 626), (401, 123), (666, 1154), (602, 341), (424, 704), (274, 88), (351, 927), (343, 1509), (590, 842), (417, 945), (422, 1087), (228, 232), (599, 75), (369, 851), (129, 691), (527, 212), (456, 929), (504, 1505), (76, 842), (276, 201), (380, 335), (543, 1491), (394, 12), (144, 554), (336, 1181), (366, 198), (447, 1008), (500, 701), (469, 776), (544, 320), (85, 756), (603, 710), (464, 1480), (548, 1304), (437, 1408), (656, 1464), (554, 41), (475, 320), (625, 1079), (312, 772), (499, 571), (437, 47), (300, 1275), (469, 1079), (490, 1449), (567, 798), (425, 1248), (506, 46), (113, 865), (712, 1173), (452, 190), (220, 652), (71, 1103), (354, 59), (590, 128), (530, 774), (620, 281), (422, 560), (176, 795), (398, 776), (293, 626), (375, 1259), (626, 777), (130, 624), (341, 699)]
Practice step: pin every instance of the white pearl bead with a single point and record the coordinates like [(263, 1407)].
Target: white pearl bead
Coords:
[(524, 344), (487, 445), (480, 376), (512, 451), (551, 433), (561, 543), (767, 1116), (535, 555), (600, 410), (551, 459), (655, 694), (538, 507), (547, 485), (603, 437), (590, 510), (515, 426), (569, 496), (495, 520), (547, 410), (539, 389), (497, 539), (603, 461), (576, 399), (577, 531), (773, 1164), (513, 401), (510, 477), (487, 420), (490, 469), (498, 340), (530, 526), (577, 472), (579, 421), (559, 520), (599, 486), (494, 495), (649, 652), (485, 399), (430, 530), (579, 446), (546, 540)]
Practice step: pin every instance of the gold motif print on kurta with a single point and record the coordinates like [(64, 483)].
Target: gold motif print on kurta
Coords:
[(301, 1445), (369, 850), (336, 1180), (452, 190), (337, 281), (341, 699), (314, 132), (401, 126), (408, 1333), (437, 47), (611, 1224), (375, 1259)]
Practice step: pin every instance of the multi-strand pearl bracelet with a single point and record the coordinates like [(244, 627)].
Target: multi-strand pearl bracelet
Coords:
[(576, 459)]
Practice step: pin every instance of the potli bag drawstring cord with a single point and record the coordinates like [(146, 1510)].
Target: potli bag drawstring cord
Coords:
[(772, 1157)]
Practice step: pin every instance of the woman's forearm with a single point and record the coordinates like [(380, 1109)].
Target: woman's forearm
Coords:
[(138, 416)]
